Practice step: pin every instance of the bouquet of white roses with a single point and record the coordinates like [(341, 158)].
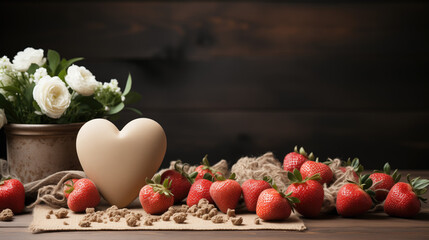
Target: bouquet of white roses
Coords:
[(39, 90)]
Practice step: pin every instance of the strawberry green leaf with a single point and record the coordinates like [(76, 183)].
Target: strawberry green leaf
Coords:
[(233, 176), (291, 177), (386, 168), (157, 179), (208, 176), (268, 179)]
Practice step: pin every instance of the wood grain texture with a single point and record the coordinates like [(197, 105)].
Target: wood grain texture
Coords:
[(234, 78)]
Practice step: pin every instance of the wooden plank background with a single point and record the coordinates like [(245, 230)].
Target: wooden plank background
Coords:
[(235, 78)]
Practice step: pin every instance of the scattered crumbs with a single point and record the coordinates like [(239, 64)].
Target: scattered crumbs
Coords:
[(179, 217), (166, 216), (257, 221), (65, 223), (213, 212), (61, 213), (237, 221), (51, 212), (6, 215), (48, 216), (89, 210), (192, 209), (147, 222), (132, 220), (206, 217), (203, 202)]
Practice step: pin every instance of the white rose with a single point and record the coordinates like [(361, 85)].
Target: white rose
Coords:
[(81, 80), (3, 119), (52, 96), (39, 74), (23, 60), (5, 71)]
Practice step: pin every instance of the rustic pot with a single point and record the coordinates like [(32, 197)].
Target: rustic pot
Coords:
[(35, 151)]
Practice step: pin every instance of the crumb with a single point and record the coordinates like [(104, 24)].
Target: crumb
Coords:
[(65, 223), (90, 210), (51, 212), (257, 221), (84, 223), (218, 219), (61, 213), (6, 215), (99, 220), (230, 213), (203, 202), (131, 220), (48, 216), (155, 218), (111, 219), (117, 218), (210, 207), (200, 213), (179, 217), (237, 221), (171, 209), (213, 212), (192, 209), (147, 222), (105, 222), (166, 216), (206, 217)]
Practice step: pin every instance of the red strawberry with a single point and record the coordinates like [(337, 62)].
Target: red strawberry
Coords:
[(251, 190), (180, 181), (12, 195), (68, 186), (83, 195), (403, 199), (274, 205), (295, 159), (355, 165), (200, 189), (383, 182), (309, 192), (226, 193), (205, 168), (156, 198), (354, 199), (310, 168)]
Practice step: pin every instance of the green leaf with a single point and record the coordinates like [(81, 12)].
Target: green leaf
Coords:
[(291, 177), (36, 106), (132, 97), (62, 74), (28, 93), (127, 86), (135, 110), (12, 89), (32, 69), (232, 176), (116, 109), (53, 60), (386, 168)]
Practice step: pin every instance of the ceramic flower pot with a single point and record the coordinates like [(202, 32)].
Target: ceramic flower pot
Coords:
[(35, 151)]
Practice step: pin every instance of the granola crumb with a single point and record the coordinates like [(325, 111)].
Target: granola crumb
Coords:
[(147, 222), (48, 216), (237, 221), (203, 202), (206, 217), (192, 209), (131, 220), (218, 219), (61, 213), (230, 213), (213, 212), (65, 223), (166, 216), (90, 210), (200, 212), (257, 221), (6, 215), (84, 223), (179, 217), (51, 212)]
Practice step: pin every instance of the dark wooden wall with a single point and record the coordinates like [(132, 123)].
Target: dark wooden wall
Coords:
[(234, 78)]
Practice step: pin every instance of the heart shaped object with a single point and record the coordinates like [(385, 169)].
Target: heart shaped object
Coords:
[(118, 162)]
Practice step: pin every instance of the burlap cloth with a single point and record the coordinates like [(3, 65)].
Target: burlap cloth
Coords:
[(41, 224)]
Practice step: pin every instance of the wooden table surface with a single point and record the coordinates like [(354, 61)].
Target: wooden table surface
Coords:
[(369, 226)]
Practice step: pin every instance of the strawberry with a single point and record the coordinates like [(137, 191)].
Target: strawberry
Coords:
[(12, 195), (355, 165), (155, 197), (200, 189), (403, 199), (274, 205), (83, 195), (310, 168), (383, 182), (354, 199), (226, 193), (68, 186), (180, 181), (295, 159), (309, 192), (251, 190), (206, 168)]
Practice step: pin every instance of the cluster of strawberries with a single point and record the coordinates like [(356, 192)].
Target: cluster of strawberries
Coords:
[(305, 194), (358, 196)]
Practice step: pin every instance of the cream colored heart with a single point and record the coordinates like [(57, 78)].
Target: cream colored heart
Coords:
[(118, 162)]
